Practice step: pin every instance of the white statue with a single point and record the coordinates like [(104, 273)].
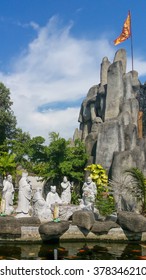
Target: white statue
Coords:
[(89, 194), (7, 196), (24, 197), (53, 197), (40, 207), (66, 193)]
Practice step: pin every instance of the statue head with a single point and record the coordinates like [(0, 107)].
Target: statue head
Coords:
[(53, 189), (64, 179), (9, 178), (24, 174), (89, 180)]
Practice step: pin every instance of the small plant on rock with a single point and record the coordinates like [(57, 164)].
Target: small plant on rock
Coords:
[(138, 181)]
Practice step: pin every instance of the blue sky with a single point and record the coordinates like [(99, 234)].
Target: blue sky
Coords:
[(51, 51)]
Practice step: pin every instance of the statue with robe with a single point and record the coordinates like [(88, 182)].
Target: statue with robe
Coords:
[(53, 197), (24, 196), (66, 193), (40, 207), (7, 196), (89, 192)]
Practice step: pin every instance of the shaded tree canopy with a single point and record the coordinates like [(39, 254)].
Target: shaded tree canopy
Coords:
[(61, 158), (7, 118)]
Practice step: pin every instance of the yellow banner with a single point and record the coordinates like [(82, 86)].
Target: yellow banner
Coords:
[(126, 31)]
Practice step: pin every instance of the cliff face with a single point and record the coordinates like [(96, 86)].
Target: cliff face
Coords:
[(112, 118)]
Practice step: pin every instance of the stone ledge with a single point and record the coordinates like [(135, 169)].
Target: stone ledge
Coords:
[(13, 230), (113, 235), (30, 233)]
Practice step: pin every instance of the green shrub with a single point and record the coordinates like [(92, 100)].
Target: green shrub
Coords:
[(75, 198)]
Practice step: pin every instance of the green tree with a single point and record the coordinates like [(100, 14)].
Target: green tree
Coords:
[(7, 164), (75, 161), (36, 151), (19, 144), (28, 150), (54, 155), (7, 118), (60, 158)]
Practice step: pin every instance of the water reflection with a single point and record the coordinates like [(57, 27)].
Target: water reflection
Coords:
[(9, 252), (77, 251)]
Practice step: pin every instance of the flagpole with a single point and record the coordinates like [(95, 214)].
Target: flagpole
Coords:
[(131, 42)]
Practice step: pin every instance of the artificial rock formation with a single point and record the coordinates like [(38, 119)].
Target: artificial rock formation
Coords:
[(132, 221), (83, 219), (112, 118), (52, 231)]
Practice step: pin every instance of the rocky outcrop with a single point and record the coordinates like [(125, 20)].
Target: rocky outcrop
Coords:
[(129, 227), (83, 219), (115, 90), (132, 221), (52, 230), (108, 118), (113, 121), (103, 227)]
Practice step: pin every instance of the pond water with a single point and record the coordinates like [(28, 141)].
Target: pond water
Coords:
[(77, 251)]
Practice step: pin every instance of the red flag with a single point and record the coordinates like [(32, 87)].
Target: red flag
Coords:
[(126, 31)]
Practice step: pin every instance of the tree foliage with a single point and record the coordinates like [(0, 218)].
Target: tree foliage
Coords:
[(19, 145), (7, 164), (7, 118), (61, 158)]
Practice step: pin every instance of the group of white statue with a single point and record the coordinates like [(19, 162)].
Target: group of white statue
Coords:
[(43, 209)]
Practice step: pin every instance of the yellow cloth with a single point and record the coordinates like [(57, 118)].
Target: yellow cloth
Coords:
[(126, 31)]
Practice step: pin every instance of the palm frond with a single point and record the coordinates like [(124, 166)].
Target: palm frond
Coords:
[(139, 180), (137, 177)]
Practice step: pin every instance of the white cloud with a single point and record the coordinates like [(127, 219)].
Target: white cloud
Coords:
[(62, 121), (55, 67)]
